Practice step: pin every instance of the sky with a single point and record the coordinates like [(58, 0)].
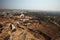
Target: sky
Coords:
[(48, 5)]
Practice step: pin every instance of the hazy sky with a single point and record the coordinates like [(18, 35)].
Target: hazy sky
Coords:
[(52, 5)]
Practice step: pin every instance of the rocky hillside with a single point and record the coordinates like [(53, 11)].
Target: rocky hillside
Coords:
[(27, 28)]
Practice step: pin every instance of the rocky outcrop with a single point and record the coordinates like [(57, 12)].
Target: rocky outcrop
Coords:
[(27, 30)]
